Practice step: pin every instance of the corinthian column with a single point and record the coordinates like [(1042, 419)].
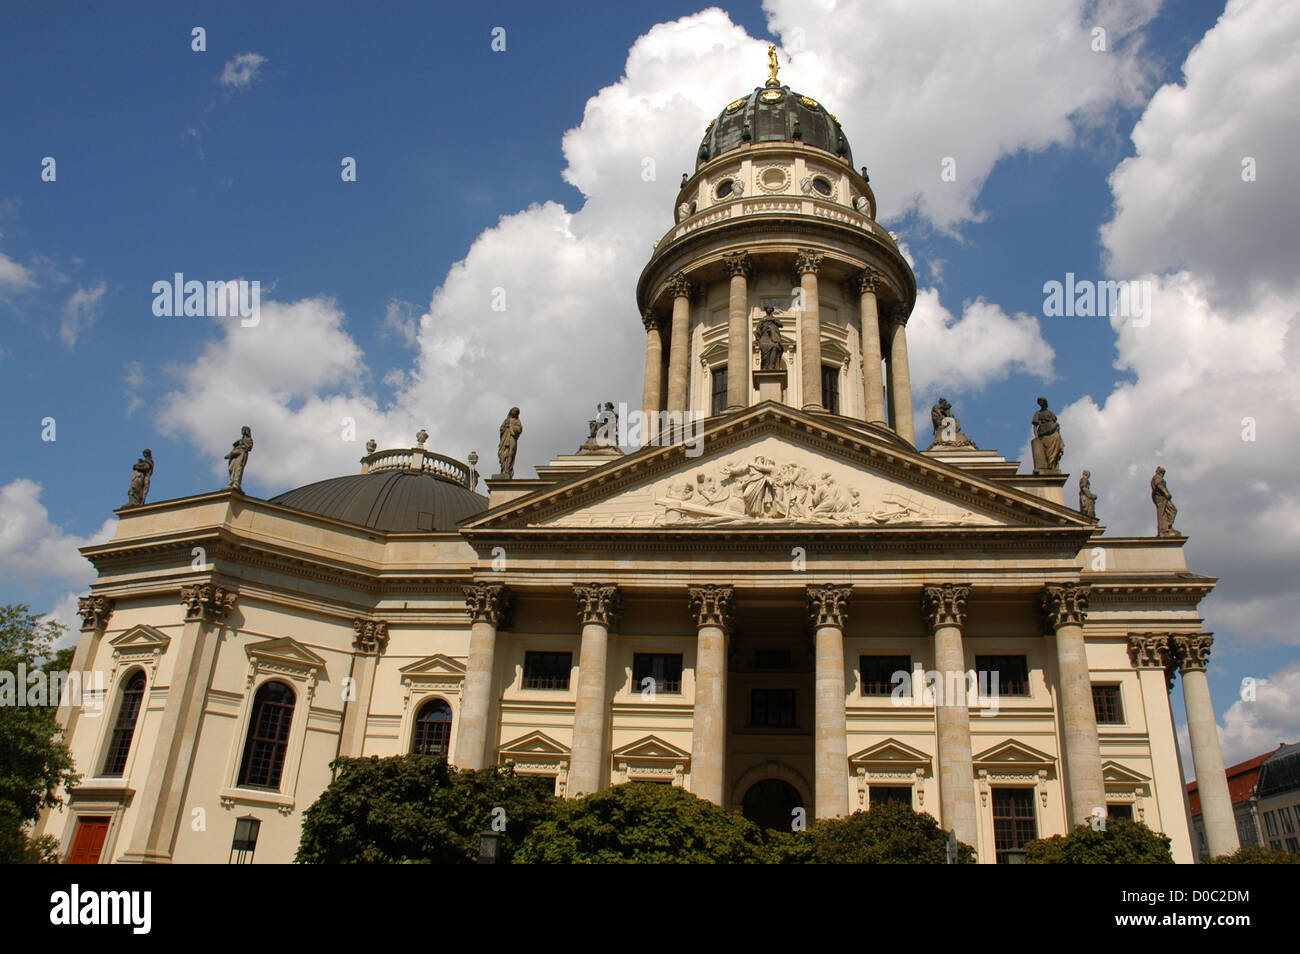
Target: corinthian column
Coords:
[(207, 606), (829, 608), (652, 396), (738, 344), (1191, 653), (807, 264), (599, 607), (1064, 609), (945, 612), (369, 642), (95, 612), (680, 288), (867, 283), (711, 606), (900, 379), (488, 605)]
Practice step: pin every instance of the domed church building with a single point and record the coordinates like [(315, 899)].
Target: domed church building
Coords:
[(778, 599)]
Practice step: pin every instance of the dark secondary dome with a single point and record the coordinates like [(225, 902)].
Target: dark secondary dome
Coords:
[(773, 114), (398, 491)]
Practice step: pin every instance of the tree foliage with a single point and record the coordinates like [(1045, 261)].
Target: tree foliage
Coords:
[(1254, 855), (885, 835), (34, 762), (418, 808), (1122, 842)]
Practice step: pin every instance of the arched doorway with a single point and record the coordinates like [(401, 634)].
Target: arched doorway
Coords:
[(771, 803)]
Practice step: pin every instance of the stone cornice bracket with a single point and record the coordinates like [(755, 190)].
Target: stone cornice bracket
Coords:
[(371, 636), (652, 320), (1149, 650), (1191, 652), (807, 260), (870, 279), (897, 314), (207, 602), (945, 604), (829, 605), (599, 603), (489, 603), (679, 286), (1065, 604), (95, 612), (738, 263), (712, 605)]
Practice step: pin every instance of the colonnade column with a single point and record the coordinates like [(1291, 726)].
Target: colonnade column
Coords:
[(712, 607), (599, 607), (867, 283), (900, 379), (944, 607), (1191, 653), (488, 605), (1064, 608), (652, 396), (368, 644), (680, 288), (738, 343), (829, 608), (807, 263)]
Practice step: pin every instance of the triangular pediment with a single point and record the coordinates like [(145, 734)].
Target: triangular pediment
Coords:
[(285, 652), (1115, 774), (533, 745), (772, 467), (436, 666), (1013, 753), (652, 748), (141, 639), (893, 753)]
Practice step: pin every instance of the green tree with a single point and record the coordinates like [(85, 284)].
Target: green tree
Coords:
[(641, 823), (418, 808), (1254, 855), (34, 762), (1123, 842), (885, 835)]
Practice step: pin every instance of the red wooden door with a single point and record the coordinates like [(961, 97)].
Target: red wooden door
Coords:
[(88, 841)]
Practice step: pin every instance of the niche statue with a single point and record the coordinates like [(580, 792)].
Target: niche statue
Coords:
[(768, 340)]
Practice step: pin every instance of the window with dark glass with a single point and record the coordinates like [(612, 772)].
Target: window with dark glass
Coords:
[(890, 795), (1013, 674), (128, 711), (547, 670), (771, 708), (268, 736), (664, 668), (773, 659), (718, 401), (1119, 810), (1013, 820), (432, 728), (1107, 706), (822, 185), (878, 673), (724, 189), (831, 389)]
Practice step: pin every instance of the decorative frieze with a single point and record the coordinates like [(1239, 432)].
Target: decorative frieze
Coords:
[(371, 636), (829, 605), (945, 604), (712, 605), (207, 602), (95, 612), (599, 603), (488, 603), (1065, 604)]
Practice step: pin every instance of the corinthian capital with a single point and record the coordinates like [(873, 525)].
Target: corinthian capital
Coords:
[(829, 605), (599, 603), (652, 320), (738, 263), (712, 605), (679, 286), (1149, 650), (95, 611), (207, 602), (488, 603), (897, 314), (371, 636), (1191, 652), (1065, 604), (868, 280), (945, 605), (807, 260)]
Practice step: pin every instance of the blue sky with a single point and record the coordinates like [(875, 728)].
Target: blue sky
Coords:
[(467, 180)]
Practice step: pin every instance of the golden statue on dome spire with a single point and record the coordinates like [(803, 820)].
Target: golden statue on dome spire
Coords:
[(773, 65)]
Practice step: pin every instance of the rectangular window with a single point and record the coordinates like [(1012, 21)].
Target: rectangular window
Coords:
[(1285, 814), (718, 404), (1270, 823), (547, 670), (1292, 845), (878, 673), (665, 669), (890, 795), (1107, 706), (831, 389), (771, 708), (1013, 674), (1014, 822), (1119, 810)]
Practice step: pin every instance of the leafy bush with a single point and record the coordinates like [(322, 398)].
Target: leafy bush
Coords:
[(1123, 842), (1254, 855), (885, 835)]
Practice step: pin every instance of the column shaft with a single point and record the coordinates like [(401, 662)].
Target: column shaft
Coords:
[(679, 346), (945, 607), (900, 381), (476, 705), (1065, 608), (1207, 756), (652, 395), (873, 381), (599, 606), (738, 344), (711, 606), (807, 265), (829, 606)]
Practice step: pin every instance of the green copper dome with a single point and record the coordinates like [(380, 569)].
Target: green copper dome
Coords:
[(773, 114)]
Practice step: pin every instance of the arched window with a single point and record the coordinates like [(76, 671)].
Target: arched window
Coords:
[(128, 711), (432, 728), (268, 736)]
